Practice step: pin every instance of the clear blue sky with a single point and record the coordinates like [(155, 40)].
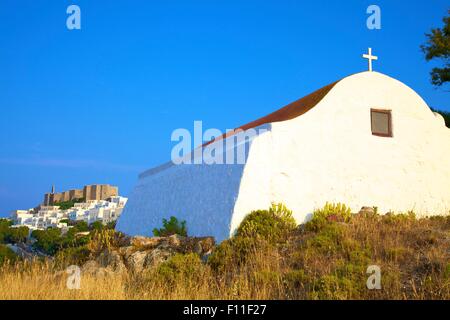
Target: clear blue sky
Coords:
[(99, 105)]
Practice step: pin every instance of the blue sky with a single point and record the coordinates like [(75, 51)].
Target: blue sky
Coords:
[(98, 105)]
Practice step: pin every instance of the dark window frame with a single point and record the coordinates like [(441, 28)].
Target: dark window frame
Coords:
[(390, 134)]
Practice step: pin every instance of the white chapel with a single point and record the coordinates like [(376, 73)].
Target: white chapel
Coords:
[(365, 140)]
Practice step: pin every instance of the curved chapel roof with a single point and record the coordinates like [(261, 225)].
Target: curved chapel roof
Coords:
[(289, 112)]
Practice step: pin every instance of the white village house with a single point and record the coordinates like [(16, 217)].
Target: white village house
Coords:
[(365, 140)]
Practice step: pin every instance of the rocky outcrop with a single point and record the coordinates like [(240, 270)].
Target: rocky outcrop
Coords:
[(142, 253), (367, 211)]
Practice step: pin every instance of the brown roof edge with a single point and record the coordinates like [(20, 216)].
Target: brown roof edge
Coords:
[(289, 112)]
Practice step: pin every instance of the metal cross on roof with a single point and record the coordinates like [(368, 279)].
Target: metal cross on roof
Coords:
[(370, 57)]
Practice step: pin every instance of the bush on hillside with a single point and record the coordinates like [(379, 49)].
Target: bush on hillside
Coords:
[(273, 225), (171, 227), (9, 234), (51, 240), (105, 239), (72, 256), (6, 254), (258, 231), (17, 235), (233, 253), (328, 214), (48, 241), (65, 205), (181, 269), (5, 224), (97, 225)]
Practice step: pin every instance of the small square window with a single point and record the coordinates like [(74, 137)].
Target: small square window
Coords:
[(381, 121)]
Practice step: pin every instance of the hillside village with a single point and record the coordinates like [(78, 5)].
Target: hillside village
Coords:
[(95, 203)]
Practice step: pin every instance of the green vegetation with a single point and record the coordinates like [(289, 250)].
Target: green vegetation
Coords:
[(47, 241), (64, 205), (51, 240), (260, 229), (181, 268), (17, 234), (80, 249), (329, 213), (10, 234), (6, 254), (273, 225), (438, 47), (105, 239), (78, 226), (328, 257), (171, 227), (5, 225)]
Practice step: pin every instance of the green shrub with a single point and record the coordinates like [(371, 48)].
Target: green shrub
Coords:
[(295, 279), (181, 269), (65, 205), (258, 231), (273, 225), (111, 225), (328, 214), (48, 241), (9, 234), (72, 256), (233, 253), (6, 254), (393, 219), (331, 287), (171, 227), (16, 235), (97, 225), (105, 239), (78, 226), (328, 240), (5, 225), (447, 271), (51, 240)]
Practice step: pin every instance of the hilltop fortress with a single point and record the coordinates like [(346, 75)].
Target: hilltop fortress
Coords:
[(89, 192)]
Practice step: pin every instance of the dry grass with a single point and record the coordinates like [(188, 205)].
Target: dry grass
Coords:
[(414, 256), (40, 281)]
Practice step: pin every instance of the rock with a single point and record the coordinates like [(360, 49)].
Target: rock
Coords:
[(101, 272), (136, 261), (156, 257), (176, 240), (126, 252), (112, 260), (200, 246), (143, 252), (208, 244), (104, 272), (370, 211), (144, 242), (90, 267), (82, 234), (165, 244)]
